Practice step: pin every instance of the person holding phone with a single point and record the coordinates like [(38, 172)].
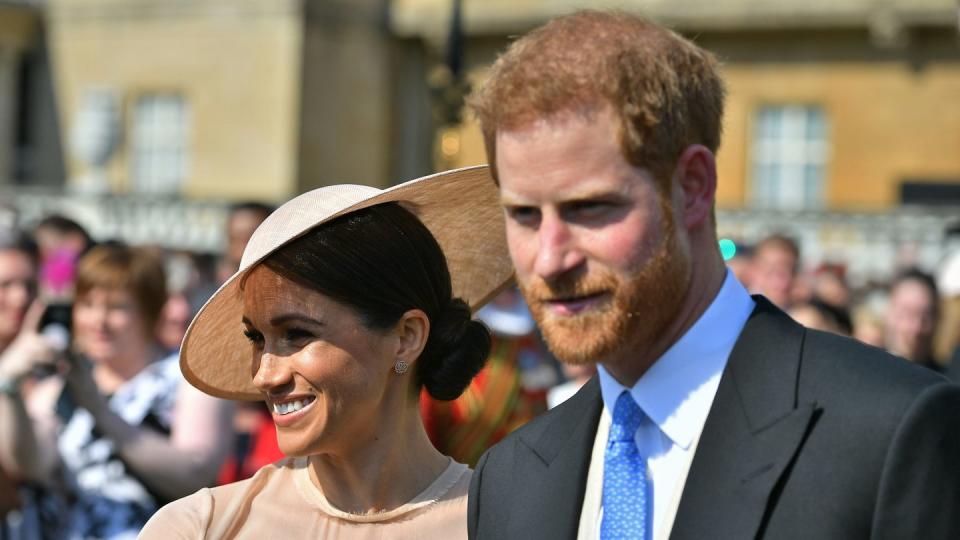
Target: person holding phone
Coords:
[(22, 346), (18, 290), (113, 431)]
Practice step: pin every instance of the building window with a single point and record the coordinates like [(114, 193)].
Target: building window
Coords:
[(789, 157), (160, 150)]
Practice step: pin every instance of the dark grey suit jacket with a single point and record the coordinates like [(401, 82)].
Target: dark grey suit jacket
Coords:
[(810, 436)]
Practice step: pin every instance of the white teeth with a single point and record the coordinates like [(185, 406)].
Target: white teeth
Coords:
[(291, 406)]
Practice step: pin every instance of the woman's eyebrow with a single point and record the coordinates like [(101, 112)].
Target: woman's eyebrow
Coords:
[(291, 317), (285, 318)]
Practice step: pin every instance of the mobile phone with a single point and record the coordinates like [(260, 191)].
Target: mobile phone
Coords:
[(61, 314), (56, 325)]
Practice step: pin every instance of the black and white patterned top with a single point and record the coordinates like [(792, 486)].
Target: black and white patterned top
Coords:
[(105, 497)]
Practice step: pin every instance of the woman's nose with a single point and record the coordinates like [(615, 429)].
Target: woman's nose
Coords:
[(273, 372)]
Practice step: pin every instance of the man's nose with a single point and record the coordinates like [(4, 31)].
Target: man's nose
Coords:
[(558, 251)]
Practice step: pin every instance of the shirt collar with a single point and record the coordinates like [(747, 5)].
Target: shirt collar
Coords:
[(669, 392)]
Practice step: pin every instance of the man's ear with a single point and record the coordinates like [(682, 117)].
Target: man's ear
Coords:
[(696, 177), (412, 331)]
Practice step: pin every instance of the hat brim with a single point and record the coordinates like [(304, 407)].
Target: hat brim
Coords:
[(460, 208)]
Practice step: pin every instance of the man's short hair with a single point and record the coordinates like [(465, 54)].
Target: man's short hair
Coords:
[(781, 242), (666, 91)]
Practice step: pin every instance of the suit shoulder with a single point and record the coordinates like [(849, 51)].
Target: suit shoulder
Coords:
[(844, 367)]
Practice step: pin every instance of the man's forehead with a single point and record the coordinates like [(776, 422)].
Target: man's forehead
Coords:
[(580, 188), (555, 120), (540, 190)]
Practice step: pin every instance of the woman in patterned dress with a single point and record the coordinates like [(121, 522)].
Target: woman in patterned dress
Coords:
[(113, 434)]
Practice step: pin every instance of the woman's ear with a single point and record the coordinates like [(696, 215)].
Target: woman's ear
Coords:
[(412, 331)]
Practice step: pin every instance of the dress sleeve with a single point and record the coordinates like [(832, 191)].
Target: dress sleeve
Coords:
[(183, 519)]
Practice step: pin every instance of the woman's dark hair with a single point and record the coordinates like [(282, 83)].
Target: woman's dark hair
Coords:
[(915, 274), (838, 315), (62, 225), (15, 240), (382, 262)]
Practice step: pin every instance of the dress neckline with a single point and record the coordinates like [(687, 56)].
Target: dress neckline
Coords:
[(431, 494)]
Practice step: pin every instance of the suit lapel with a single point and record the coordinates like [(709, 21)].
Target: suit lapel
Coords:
[(754, 430), (551, 475)]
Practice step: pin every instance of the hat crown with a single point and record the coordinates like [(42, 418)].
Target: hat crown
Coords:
[(300, 214), (460, 208)]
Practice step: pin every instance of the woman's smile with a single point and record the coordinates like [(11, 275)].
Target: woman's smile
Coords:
[(308, 348), (287, 411)]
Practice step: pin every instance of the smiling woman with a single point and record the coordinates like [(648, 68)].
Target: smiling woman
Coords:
[(348, 301)]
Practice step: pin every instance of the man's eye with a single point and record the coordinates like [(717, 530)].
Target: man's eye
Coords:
[(524, 215), (589, 208)]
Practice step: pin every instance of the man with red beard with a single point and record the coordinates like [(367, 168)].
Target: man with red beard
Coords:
[(713, 414)]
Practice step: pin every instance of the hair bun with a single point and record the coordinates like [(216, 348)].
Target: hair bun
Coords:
[(454, 320), (456, 350)]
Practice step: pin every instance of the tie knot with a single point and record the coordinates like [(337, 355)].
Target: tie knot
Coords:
[(626, 418)]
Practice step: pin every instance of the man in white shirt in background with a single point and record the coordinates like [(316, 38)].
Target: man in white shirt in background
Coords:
[(713, 415)]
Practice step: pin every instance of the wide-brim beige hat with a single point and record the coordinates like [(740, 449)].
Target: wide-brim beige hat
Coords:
[(460, 207)]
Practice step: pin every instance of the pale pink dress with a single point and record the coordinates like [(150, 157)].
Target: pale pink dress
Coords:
[(281, 501)]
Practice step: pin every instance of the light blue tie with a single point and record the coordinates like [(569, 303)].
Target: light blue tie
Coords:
[(624, 476)]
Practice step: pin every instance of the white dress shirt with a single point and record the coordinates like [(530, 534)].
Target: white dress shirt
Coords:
[(675, 395)]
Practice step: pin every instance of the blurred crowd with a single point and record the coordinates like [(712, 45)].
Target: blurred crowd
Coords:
[(98, 428), (914, 314)]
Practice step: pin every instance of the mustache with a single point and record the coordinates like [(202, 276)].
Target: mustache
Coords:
[(568, 287)]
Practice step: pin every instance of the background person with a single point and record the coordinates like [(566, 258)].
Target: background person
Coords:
[(773, 271), (242, 219), (18, 284), (19, 517), (117, 433), (508, 392), (948, 338), (867, 315), (741, 264), (830, 286), (183, 283), (62, 241), (913, 311), (820, 315), (577, 376)]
